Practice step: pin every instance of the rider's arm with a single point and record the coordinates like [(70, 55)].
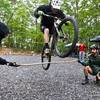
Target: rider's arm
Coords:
[(60, 14), (40, 8)]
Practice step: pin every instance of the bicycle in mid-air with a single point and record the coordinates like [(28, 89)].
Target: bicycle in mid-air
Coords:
[(62, 41)]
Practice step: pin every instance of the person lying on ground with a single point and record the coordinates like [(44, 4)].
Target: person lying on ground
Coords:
[(4, 31)]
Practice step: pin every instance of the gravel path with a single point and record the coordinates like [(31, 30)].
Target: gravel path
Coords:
[(60, 82)]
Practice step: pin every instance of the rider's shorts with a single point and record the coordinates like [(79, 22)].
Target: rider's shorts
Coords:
[(43, 28), (50, 29)]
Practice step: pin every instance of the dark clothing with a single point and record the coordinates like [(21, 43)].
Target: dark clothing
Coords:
[(4, 31), (94, 63), (3, 61), (48, 22)]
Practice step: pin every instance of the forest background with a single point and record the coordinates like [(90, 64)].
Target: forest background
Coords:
[(18, 15)]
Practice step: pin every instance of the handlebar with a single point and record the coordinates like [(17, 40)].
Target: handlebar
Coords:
[(42, 13), (50, 16)]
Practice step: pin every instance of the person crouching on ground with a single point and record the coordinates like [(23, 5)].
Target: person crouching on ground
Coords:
[(92, 65)]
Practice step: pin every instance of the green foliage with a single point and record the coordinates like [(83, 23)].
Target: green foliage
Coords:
[(19, 18)]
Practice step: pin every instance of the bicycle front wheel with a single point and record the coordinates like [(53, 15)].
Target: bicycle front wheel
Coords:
[(45, 59), (67, 37)]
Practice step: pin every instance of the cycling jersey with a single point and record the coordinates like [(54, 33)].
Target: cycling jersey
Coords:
[(48, 22)]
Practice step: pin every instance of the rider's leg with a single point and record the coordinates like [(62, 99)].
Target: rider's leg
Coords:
[(46, 39), (46, 35)]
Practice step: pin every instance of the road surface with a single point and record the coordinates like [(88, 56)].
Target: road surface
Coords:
[(60, 82)]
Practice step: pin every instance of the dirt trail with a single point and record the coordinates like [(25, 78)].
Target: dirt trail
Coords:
[(11, 51)]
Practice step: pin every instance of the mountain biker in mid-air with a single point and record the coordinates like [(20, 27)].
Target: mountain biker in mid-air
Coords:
[(47, 23)]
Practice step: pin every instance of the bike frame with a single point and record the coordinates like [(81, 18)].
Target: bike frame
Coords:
[(53, 37), (57, 35), (55, 32)]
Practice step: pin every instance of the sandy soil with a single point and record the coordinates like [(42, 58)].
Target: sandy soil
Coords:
[(11, 51)]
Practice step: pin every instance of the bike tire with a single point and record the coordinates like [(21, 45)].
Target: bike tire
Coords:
[(72, 41), (45, 58)]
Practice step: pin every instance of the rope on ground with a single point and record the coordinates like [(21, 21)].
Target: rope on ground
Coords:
[(53, 62)]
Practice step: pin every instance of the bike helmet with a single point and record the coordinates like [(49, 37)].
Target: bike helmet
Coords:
[(93, 47), (56, 3)]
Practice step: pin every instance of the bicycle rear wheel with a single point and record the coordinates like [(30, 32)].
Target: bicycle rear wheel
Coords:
[(45, 59), (67, 37)]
